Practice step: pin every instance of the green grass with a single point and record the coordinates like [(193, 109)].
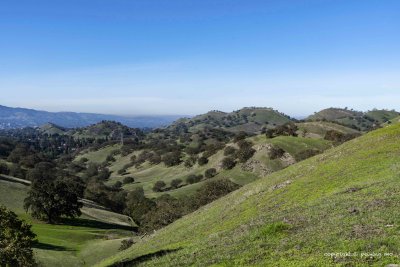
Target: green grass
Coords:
[(318, 129), (76, 242), (100, 155), (345, 200)]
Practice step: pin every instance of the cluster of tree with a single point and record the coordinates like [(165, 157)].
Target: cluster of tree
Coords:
[(242, 154), (152, 214), (339, 137), (287, 129)]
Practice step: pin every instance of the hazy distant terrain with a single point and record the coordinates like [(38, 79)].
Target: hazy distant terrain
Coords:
[(21, 117)]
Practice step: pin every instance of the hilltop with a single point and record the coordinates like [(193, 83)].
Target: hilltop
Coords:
[(249, 119), (344, 200), (361, 121)]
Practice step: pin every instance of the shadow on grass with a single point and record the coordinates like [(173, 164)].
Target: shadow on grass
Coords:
[(45, 246), (144, 258), (80, 222)]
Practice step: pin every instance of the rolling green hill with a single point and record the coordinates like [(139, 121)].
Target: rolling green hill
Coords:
[(83, 241), (318, 129), (250, 120), (258, 166), (362, 121), (345, 200)]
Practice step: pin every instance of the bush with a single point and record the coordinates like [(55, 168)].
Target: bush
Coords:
[(276, 153), (212, 190), (117, 184), (228, 163), (210, 173), (192, 178), (229, 150), (4, 169), (202, 161), (245, 151), (172, 158), (175, 183), (128, 180), (125, 244), (159, 186), (122, 171)]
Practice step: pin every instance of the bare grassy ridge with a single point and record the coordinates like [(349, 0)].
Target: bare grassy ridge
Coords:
[(345, 200)]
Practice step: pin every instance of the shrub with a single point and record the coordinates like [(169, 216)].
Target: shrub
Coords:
[(276, 152), (4, 169), (210, 173), (117, 185), (128, 180), (192, 178), (229, 150), (212, 190), (172, 158), (245, 151), (125, 244), (228, 163), (175, 183), (202, 161), (159, 186), (122, 171)]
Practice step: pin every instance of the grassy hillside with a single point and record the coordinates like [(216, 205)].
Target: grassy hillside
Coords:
[(345, 200), (362, 121), (83, 241), (318, 129), (258, 166), (250, 120)]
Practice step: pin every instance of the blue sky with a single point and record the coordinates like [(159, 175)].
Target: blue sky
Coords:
[(188, 57)]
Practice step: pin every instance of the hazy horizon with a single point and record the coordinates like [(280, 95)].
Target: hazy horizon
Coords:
[(188, 57)]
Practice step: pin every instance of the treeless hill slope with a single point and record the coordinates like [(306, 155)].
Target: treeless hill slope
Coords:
[(345, 200)]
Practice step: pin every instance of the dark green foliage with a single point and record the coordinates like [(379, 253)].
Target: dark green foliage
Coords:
[(16, 240), (17, 171), (172, 158), (245, 151), (287, 129), (125, 244), (202, 161), (110, 197), (229, 150), (338, 137), (128, 180), (210, 173), (117, 184), (159, 186), (167, 210), (228, 163), (240, 136), (276, 152), (213, 190), (53, 194), (122, 171), (137, 205), (4, 169), (193, 178), (175, 183)]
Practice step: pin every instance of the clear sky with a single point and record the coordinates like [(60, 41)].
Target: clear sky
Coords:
[(188, 57)]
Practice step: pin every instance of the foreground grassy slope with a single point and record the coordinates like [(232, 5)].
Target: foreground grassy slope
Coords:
[(78, 242), (345, 200)]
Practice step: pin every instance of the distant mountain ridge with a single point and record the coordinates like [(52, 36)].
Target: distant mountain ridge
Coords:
[(11, 118)]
